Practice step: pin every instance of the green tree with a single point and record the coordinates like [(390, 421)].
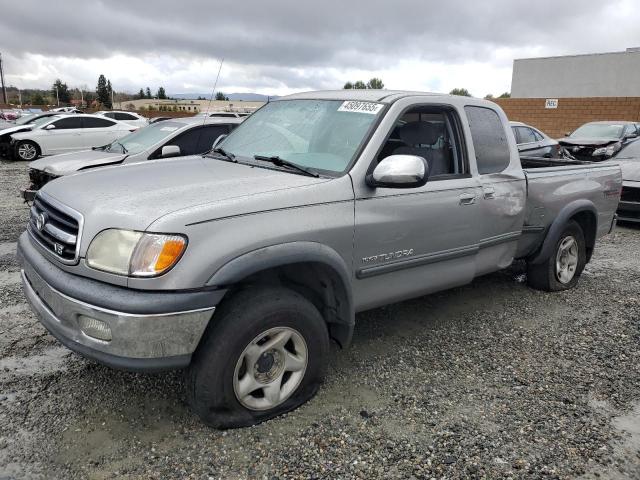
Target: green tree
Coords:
[(505, 95), (348, 86), (359, 85), (375, 83), (148, 94), (161, 94), (221, 96), (102, 92), (109, 103), (63, 91), (489, 96), (140, 94), (462, 92), (37, 99)]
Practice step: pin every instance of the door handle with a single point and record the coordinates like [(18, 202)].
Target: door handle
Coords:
[(489, 193), (467, 199)]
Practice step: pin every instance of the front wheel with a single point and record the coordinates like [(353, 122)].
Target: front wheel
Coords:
[(264, 354), (27, 150), (564, 266)]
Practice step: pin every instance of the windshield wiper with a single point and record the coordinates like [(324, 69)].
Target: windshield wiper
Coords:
[(228, 155), (281, 162)]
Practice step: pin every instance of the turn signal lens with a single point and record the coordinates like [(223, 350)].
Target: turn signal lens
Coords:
[(155, 254)]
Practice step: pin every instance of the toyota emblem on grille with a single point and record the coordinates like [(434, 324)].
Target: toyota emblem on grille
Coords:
[(58, 248), (41, 220)]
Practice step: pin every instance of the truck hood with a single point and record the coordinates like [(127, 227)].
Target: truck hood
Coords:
[(590, 142), (15, 129), (630, 169), (68, 163), (196, 188)]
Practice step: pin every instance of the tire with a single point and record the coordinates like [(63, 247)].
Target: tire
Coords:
[(220, 366), (26, 150), (549, 275)]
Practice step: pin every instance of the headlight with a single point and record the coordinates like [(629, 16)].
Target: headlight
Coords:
[(608, 151), (138, 254)]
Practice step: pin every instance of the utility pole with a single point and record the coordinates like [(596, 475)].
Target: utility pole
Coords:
[(4, 90), (57, 96)]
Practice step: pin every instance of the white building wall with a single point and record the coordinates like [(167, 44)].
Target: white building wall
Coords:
[(597, 75)]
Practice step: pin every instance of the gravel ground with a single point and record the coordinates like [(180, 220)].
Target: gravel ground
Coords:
[(491, 380)]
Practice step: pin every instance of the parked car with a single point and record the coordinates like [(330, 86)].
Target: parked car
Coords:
[(66, 110), (9, 115), (629, 160), (22, 124), (597, 141), (132, 118), (158, 119), (535, 143), (66, 133), (179, 136), (223, 114), (242, 264)]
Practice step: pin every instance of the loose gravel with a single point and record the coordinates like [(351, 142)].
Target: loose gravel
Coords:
[(492, 380)]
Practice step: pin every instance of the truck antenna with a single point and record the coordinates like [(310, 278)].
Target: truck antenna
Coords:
[(213, 92)]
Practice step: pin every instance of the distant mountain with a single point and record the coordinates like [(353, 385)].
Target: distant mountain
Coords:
[(246, 97)]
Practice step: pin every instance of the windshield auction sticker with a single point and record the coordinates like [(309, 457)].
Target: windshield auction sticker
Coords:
[(360, 107)]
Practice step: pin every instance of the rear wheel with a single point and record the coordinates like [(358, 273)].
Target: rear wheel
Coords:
[(564, 266), (27, 150), (263, 355)]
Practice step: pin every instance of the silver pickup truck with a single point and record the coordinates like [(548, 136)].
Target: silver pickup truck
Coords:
[(242, 264)]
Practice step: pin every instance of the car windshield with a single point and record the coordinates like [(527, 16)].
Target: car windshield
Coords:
[(24, 119), (632, 150), (144, 138), (318, 134), (599, 130)]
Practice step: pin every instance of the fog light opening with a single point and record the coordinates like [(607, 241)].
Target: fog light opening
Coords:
[(95, 328)]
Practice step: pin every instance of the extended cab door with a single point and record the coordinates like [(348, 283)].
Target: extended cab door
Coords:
[(414, 241), (503, 187)]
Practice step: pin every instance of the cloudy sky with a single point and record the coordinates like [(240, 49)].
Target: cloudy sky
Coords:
[(276, 47)]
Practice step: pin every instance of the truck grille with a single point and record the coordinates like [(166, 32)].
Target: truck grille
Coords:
[(630, 195), (56, 228)]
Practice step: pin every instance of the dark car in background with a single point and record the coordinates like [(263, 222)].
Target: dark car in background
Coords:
[(597, 141), (629, 161), (533, 142)]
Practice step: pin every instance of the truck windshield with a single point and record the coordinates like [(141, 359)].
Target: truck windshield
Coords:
[(599, 130), (318, 134), (144, 138)]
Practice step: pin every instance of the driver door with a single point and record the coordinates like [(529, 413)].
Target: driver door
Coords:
[(410, 242)]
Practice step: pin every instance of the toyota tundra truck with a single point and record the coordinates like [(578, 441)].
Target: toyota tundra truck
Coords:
[(241, 265)]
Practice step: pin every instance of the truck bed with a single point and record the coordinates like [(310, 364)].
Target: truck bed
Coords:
[(554, 183)]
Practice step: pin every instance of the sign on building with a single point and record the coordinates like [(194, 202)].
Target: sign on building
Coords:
[(551, 103)]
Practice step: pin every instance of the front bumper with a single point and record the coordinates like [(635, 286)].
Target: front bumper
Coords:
[(28, 194), (143, 336)]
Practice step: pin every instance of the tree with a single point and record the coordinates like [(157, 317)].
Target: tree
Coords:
[(37, 99), (161, 94), (359, 85), (140, 94), (375, 83), (462, 92), (102, 91), (505, 95), (148, 94), (63, 94), (221, 96), (489, 96), (109, 103), (348, 86)]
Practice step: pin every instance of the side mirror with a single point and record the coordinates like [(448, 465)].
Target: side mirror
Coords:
[(631, 135), (51, 126), (170, 151), (399, 171), (218, 140)]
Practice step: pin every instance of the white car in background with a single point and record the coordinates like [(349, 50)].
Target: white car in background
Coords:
[(66, 133), (131, 118)]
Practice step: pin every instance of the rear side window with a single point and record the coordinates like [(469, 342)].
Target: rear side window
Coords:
[(489, 139), (525, 135), (124, 116), (96, 122), (67, 123)]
